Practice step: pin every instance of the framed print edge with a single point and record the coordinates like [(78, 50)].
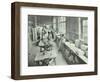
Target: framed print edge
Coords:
[(15, 40)]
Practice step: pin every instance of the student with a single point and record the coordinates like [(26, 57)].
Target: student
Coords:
[(62, 39), (41, 45)]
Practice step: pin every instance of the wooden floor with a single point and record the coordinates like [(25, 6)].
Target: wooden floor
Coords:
[(59, 59)]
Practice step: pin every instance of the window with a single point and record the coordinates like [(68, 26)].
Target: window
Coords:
[(62, 25), (84, 30)]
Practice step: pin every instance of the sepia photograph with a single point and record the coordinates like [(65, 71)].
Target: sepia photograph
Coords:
[(57, 40)]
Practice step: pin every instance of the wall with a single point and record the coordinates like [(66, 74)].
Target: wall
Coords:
[(41, 20), (72, 33), (5, 41)]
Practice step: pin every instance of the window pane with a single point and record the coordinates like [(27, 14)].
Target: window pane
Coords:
[(85, 30)]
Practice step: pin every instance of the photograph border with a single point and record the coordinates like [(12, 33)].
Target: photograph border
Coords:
[(15, 39)]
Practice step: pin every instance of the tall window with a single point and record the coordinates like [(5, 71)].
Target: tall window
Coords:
[(62, 25), (55, 24), (59, 24), (84, 30)]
